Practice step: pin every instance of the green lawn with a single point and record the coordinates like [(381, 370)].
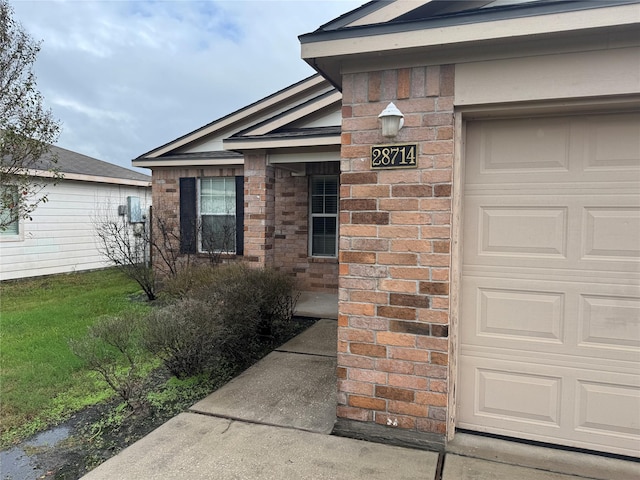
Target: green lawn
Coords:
[(41, 381)]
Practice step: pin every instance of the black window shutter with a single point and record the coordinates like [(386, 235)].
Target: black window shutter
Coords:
[(239, 215), (188, 215)]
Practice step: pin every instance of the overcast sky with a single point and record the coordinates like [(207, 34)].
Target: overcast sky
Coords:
[(125, 77)]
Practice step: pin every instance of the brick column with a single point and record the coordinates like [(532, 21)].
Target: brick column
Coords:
[(395, 237), (259, 210)]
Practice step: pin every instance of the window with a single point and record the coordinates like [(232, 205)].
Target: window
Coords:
[(9, 216), (324, 216), (218, 214), (212, 214)]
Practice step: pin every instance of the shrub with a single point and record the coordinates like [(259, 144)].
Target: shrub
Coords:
[(231, 315), (184, 335), (112, 348), (190, 276), (254, 305)]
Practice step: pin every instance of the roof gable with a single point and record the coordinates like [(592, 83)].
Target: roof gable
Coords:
[(312, 104), (282, 103)]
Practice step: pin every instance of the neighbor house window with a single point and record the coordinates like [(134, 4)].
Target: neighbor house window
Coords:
[(324, 216), (9, 221), (212, 214), (218, 214)]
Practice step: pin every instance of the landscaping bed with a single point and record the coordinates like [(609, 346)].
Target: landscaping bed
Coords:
[(96, 433), (92, 368)]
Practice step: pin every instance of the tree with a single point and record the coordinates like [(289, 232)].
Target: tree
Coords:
[(27, 129), (126, 246)]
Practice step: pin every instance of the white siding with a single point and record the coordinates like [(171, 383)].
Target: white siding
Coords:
[(60, 238)]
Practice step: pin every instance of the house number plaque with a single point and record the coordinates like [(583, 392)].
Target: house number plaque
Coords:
[(394, 156)]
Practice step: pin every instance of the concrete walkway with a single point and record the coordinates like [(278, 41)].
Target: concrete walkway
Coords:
[(274, 420)]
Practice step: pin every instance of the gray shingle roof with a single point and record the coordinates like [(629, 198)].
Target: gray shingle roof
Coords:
[(73, 162)]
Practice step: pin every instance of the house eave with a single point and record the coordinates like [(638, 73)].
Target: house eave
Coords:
[(186, 162), (325, 50), (242, 144), (90, 178)]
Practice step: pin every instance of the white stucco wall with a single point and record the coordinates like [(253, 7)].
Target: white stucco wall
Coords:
[(61, 238)]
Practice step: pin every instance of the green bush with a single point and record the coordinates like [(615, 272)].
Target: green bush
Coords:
[(112, 348), (230, 316), (184, 335), (189, 277)]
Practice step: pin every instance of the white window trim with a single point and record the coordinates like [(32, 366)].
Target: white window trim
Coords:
[(199, 217), (313, 215)]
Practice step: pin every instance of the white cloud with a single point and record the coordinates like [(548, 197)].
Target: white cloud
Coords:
[(127, 76)]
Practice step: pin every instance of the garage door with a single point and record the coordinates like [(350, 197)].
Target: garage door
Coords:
[(550, 300)]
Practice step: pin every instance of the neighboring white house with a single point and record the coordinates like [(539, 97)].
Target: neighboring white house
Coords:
[(60, 237)]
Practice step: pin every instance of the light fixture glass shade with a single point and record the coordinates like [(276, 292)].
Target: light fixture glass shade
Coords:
[(392, 121)]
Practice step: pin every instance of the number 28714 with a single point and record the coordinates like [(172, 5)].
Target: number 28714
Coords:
[(393, 156)]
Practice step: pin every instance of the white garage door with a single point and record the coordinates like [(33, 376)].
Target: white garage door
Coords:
[(550, 301)]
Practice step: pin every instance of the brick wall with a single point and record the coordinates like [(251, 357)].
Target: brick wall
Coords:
[(393, 343), (291, 242), (259, 210), (165, 193), (276, 217)]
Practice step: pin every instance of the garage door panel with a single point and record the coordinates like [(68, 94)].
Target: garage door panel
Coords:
[(613, 143), (596, 148), (609, 321), (518, 395), (580, 232), (521, 314), (550, 288), (612, 233), (594, 402), (550, 403), (530, 231), (582, 319), (527, 146)]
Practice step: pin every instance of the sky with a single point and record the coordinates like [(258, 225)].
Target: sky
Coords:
[(124, 77)]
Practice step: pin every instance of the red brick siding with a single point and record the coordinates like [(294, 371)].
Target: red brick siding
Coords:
[(291, 238), (165, 193), (395, 253)]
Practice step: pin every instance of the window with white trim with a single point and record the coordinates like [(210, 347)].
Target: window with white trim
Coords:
[(9, 221), (323, 235), (217, 214)]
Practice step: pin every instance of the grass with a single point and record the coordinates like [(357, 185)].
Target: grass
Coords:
[(41, 381)]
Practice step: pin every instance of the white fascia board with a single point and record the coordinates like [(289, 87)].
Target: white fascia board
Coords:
[(91, 178), (253, 144), (493, 30), (159, 162), (296, 114), (239, 116)]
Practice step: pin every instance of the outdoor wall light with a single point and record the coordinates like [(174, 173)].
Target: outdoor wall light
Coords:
[(392, 121)]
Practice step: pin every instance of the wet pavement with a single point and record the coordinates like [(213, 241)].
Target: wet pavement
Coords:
[(21, 463)]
